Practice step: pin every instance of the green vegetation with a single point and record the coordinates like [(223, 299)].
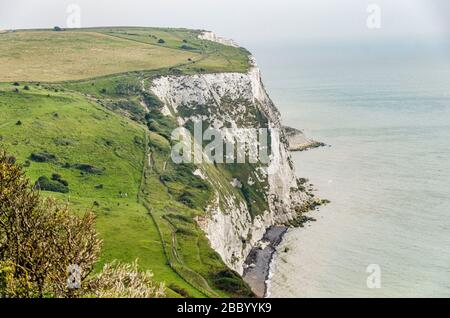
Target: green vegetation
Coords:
[(45, 184), (48, 56), (89, 135), (41, 241)]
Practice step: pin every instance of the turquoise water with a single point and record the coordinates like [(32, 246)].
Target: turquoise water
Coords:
[(385, 111)]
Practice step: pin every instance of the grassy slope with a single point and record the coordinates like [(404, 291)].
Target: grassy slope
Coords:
[(83, 122), (124, 224), (50, 56)]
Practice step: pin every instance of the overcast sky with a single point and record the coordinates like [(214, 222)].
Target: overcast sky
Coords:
[(247, 21)]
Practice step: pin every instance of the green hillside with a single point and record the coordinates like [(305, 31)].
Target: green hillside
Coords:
[(71, 112), (51, 56)]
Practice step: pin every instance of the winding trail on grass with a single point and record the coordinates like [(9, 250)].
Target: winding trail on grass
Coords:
[(202, 285)]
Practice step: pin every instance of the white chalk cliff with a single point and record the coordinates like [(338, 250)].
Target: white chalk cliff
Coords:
[(237, 100)]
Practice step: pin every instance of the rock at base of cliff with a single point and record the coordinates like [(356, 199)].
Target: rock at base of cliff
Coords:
[(298, 141)]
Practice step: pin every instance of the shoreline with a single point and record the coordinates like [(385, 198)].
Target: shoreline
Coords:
[(259, 260)]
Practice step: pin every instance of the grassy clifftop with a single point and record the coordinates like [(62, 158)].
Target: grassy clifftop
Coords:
[(52, 56), (75, 112)]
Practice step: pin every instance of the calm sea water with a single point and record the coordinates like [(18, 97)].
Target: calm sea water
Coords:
[(385, 111)]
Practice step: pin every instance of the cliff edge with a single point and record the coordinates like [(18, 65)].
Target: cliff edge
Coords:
[(236, 222)]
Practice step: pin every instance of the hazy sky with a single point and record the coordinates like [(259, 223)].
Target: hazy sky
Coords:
[(247, 21)]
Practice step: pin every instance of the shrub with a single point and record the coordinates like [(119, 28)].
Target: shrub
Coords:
[(45, 184), (152, 101), (118, 280), (63, 182), (18, 123), (186, 199), (187, 47), (180, 217), (231, 282), (42, 157), (88, 168), (16, 84), (166, 178), (138, 140), (180, 291), (185, 231), (161, 41), (126, 89), (26, 87), (66, 165)]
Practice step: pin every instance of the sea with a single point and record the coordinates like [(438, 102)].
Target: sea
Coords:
[(383, 109)]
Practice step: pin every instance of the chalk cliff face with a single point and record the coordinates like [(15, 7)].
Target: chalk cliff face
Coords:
[(249, 198), (211, 36)]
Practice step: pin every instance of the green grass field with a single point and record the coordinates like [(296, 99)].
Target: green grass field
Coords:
[(74, 99), (51, 56)]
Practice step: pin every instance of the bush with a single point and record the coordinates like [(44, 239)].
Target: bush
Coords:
[(88, 168), (180, 291), (16, 84), (187, 47), (152, 101), (186, 199), (63, 182), (118, 280), (26, 87), (57, 177), (185, 231), (42, 157), (161, 41), (166, 178), (180, 217), (126, 89), (231, 282), (45, 184), (18, 123)]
